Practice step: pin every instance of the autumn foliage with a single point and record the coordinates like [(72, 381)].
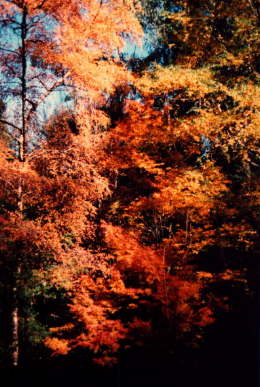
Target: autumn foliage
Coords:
[(112, 202)]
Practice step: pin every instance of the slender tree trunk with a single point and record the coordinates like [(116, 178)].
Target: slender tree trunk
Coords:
[(15, 342), (23, 79), (15, 321)]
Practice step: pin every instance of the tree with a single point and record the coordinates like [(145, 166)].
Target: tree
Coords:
[(128, 204), (27, 80), (209, 32), (157, 219), (172, 200), (27, 241), (183, 156)]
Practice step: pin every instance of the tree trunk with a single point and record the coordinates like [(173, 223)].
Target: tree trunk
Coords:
[(15, 342), (15, 324), (15, 345), (24, 28)]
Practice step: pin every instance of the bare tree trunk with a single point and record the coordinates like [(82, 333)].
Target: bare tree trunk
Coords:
[(15, 342), (23, 81), (15, 336), (15, 323)]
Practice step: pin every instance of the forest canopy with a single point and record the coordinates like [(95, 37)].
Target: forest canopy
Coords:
[(129, 182)]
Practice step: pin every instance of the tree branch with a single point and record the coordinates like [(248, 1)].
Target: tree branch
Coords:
[(8, 133), (40, 5), (10, 124), (14, 3), (8, 21), (98, 11), (7, 50), (44, 96)]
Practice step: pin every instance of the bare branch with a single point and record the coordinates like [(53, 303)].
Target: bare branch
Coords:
[(44, 96), (8, 133), (10, 69), (10, 124), (9, 21), (7, 50), (43, 84)]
